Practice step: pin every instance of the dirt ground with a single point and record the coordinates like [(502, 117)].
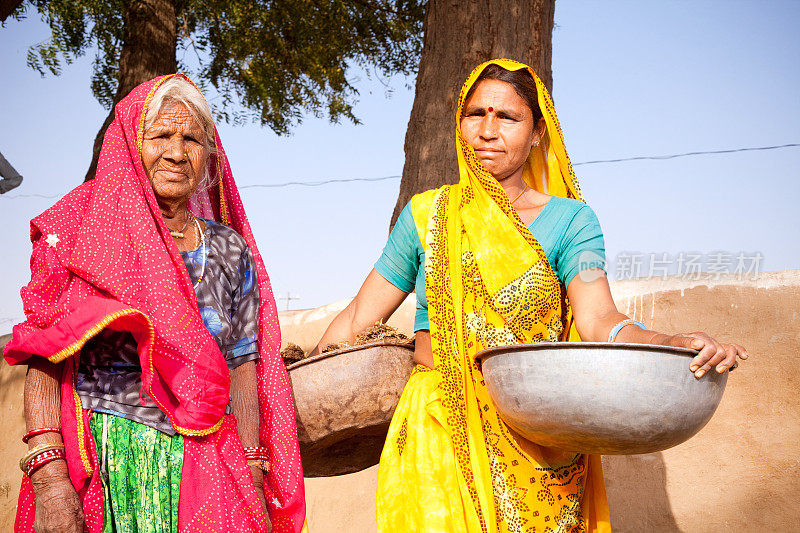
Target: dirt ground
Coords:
[(740, 473)]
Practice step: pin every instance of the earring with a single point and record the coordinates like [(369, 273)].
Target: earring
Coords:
[(536, 142)]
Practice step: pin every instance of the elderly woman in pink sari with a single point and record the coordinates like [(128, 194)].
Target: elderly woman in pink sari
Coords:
[(156, 399)]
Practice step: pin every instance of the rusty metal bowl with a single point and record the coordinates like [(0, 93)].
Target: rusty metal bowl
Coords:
[(344, 401), (596, 397)]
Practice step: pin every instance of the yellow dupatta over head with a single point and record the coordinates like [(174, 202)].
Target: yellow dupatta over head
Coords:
[(489, 283)]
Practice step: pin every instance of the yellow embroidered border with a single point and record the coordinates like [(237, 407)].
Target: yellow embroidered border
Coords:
[(140, 131), (100, 326), (183, 431), (198, 432), (84, 453), (223, 204), (73, 348)]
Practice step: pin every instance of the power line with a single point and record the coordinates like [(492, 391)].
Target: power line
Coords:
[(685, 154), (394, 177), (253, 186), (15, 196), (318, 183), (598, 161)]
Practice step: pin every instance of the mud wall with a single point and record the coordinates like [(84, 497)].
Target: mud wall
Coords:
[(740, 473)]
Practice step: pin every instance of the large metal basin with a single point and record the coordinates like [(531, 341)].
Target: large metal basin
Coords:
[(603, 398), (344, 401)]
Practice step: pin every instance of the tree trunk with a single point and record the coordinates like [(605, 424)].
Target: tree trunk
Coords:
[(458, 37), (148, 50), (7, 7)]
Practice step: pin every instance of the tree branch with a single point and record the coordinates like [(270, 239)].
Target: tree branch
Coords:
[(377, 7)]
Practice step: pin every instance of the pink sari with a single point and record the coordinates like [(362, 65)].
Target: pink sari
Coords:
[(103, 258)]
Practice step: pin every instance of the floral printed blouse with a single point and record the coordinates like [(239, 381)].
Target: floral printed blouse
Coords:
[(109, 374)]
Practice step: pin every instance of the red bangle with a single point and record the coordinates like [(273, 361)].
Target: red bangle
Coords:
[(40, 431), (255, 449), (44, 458), (256, 452), (256, 456)]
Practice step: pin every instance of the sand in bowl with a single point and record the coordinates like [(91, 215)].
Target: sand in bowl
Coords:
[(292, 354), (378, 332)]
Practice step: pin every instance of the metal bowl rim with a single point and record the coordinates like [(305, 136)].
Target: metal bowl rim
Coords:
[(340, 351), (631, 346)]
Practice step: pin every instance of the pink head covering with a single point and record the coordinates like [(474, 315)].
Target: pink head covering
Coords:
[(114, 264)]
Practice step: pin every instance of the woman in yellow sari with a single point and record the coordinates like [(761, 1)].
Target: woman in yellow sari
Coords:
[(509, 255)]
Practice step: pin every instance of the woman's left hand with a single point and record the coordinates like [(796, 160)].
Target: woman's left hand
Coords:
[(258, 481), (712, 352)]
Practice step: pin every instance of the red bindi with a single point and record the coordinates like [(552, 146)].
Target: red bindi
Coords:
[(491, 109)]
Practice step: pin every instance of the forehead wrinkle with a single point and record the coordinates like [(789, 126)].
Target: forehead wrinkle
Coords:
[(176, 117)]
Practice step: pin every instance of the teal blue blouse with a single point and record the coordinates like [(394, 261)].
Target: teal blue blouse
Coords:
[(567, 230)]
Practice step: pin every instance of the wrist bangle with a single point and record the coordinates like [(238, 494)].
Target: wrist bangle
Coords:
[(38, 450), (256, 452), (42, 459), (621, 324), (258, 457), (40, 431), (261, 464)]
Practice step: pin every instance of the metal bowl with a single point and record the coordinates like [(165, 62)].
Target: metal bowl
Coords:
[(604, 398), (344, 401)]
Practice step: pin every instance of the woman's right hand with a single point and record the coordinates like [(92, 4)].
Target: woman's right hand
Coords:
[(58, 508), (376, 300)]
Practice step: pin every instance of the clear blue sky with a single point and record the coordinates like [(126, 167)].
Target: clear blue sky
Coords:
[(630, 78)]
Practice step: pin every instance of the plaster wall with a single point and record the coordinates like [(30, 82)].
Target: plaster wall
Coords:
[(740, 473)]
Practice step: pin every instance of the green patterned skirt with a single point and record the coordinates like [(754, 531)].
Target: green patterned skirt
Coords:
[(141, 474)]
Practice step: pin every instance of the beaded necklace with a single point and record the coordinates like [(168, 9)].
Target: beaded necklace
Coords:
[(202, 252), (179, 233)]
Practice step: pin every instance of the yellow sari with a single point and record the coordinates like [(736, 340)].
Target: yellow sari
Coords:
[(449, 463)]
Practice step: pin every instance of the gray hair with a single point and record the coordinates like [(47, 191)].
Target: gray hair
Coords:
[(179, 89)]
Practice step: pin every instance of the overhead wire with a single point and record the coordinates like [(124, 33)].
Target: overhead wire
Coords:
[(686, 154), (318, 183), (397, 176)]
